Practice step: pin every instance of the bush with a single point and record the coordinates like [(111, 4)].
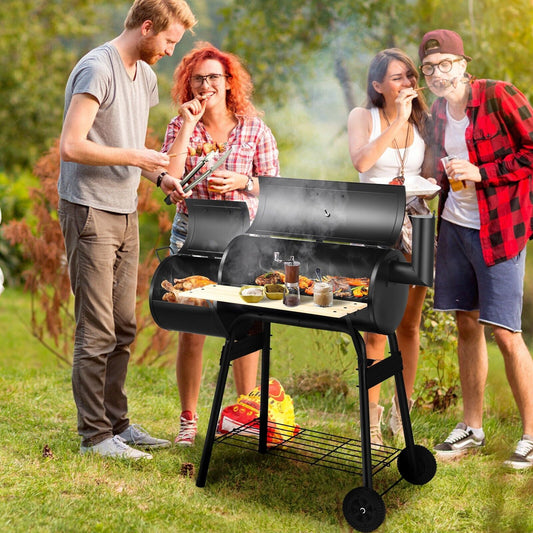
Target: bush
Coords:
[(15, 203), (45, 276), (438, 369)]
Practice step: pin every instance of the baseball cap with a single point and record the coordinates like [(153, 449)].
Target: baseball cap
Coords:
[(443, 42)]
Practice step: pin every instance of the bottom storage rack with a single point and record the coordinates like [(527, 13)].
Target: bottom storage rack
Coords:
[(309, 446)]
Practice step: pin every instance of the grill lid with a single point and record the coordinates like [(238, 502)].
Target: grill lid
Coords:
[(330, 211), (212, 225)]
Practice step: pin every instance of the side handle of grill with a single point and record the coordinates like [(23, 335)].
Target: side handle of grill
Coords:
[(159, 250), (420, 270)]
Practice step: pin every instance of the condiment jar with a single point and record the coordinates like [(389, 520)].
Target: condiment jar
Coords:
[(323, 293), (291, 298)]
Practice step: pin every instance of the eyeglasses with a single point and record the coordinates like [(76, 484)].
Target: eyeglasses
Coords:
[(212, 79), (444, 66)]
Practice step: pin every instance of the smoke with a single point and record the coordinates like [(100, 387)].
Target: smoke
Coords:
[(311, 131)]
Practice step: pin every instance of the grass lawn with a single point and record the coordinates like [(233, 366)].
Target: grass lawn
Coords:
[(245, 491)]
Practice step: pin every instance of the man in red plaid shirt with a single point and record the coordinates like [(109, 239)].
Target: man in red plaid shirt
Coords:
[(483, 144)]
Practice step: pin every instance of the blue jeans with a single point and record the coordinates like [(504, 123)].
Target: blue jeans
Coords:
[(178, 235)]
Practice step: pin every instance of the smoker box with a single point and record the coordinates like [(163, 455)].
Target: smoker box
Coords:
[(212, 225)]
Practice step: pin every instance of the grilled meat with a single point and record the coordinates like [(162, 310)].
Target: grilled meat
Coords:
[(174, 292), (270, 277), (344, 287)]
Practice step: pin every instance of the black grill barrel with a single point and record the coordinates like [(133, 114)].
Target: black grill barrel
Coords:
[(338, 211), (212, 225), (420, 270)]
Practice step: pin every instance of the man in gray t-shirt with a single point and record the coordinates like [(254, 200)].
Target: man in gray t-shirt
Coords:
[(107, 101), (121, 121)]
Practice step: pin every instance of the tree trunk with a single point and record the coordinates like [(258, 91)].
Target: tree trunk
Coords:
[(341, 72)]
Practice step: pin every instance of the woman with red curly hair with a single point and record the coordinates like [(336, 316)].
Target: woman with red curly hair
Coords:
[(213, 92)]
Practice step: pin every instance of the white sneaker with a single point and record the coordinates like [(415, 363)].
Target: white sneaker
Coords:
[(458, 442), (138, 436), (115, 447), (395, 418), (375, 412), (523, 455)]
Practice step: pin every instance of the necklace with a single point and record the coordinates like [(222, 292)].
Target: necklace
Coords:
[(402, 158)]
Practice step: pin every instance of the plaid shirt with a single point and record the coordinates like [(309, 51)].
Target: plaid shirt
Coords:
[(254, 153), (500, 143)]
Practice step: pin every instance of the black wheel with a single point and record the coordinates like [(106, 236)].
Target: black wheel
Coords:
[(423, 469), (363, 509)]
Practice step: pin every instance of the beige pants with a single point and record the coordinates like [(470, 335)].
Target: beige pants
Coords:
[(103, 255)]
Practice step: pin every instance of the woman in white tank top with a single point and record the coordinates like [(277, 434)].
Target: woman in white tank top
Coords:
[(386, 139), (388, 164)]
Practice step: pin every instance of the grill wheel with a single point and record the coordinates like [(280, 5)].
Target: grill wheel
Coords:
[(423, 469), (364, 509)]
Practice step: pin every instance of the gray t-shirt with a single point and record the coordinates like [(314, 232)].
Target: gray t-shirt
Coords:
[(121, 121)]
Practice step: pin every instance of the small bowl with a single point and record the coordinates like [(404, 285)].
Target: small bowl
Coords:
[(252, 298), (275, 291)]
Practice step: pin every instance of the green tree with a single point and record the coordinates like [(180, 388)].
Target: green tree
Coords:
[(288, 44), (39, 44)]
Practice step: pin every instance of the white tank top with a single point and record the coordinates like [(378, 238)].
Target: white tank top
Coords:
[(388, 164)]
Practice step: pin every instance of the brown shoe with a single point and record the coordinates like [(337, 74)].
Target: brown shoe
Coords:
[(395, 418), (376, 413)]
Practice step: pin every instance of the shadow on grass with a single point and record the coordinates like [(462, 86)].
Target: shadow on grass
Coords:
[(288, 486)]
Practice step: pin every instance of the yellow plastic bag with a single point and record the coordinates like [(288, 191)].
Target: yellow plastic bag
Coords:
[(243, 417)]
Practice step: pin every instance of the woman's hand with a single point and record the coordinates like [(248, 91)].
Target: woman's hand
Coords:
[(193, 110), (404, 103), (433, 181), (223, 181)]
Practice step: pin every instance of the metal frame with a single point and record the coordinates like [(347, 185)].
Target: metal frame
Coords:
[(369, 376)]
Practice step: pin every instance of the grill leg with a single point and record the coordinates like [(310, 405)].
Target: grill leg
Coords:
[(265, 375), (402, 395), (366, 450), (225, 361)]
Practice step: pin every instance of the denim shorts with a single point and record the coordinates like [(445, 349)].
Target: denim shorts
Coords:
[(178, 235), (463, 282)]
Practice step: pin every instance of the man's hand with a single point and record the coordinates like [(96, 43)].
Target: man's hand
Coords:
[(172, 187), (152, 160), (461, 169)]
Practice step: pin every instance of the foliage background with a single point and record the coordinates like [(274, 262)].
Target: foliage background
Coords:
[(304, 55), (308, 60)]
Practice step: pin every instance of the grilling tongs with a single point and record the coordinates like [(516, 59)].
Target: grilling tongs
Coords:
[(206, 159)]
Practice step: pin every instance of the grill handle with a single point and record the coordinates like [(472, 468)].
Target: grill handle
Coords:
[(420, 270)]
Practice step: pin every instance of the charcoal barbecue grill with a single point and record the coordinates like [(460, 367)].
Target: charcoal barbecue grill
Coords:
[(345, 229)]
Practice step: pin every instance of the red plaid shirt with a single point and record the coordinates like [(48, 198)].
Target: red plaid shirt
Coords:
[(254, 153), (500, 143)]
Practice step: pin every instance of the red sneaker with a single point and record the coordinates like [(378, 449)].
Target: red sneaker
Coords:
[(188, 429)]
